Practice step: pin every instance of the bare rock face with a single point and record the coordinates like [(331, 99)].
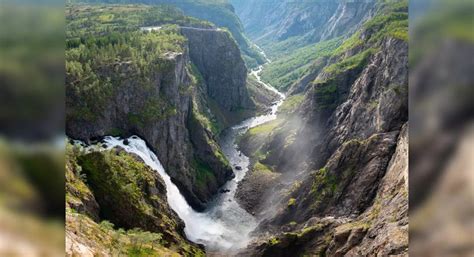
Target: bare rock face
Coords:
[(278, 20), (347, 18), (314, 21), (364, 126), (345, 149), (220, 64), (385, 223), (159, 108)]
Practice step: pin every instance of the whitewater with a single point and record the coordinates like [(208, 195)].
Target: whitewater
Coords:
[(224, 226)]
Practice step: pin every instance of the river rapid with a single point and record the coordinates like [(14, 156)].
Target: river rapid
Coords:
[(224, 227)]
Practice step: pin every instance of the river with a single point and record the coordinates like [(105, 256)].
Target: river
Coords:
[(224, 226)]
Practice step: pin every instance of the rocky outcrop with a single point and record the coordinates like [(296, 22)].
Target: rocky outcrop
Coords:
[(160, 106), (218, 59), (381, 230), (347, 18), (78, 195), (387, 219), (125, 188), (261, 95), (222, 14), (126, 194), (342, 155)]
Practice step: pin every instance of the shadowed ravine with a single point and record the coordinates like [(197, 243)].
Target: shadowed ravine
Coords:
[(224, 227)]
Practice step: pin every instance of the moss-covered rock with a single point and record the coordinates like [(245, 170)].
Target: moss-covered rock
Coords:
[(130, 194), (254, 188), (115, 186), (78, 195)]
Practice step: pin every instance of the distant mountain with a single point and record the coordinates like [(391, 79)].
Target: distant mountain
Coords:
[(299, 22), (293, 33)]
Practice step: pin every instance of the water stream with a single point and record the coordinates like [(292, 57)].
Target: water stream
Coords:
[(224, 226)]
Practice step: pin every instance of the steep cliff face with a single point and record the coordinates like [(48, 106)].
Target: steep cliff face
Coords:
[(339, 150), (279, 20), (380, 230), (115, 189), (222, 14), (219, 62), (157, 110), (296, 33), (299, 23), (165, 96)]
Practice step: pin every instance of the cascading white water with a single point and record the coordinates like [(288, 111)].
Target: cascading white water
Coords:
[(224, 226), (207, 228)]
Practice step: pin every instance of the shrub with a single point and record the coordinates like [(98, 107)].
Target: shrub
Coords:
[(291, 104), (291, 202)]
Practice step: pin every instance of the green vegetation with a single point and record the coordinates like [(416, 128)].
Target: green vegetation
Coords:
[(209, 123), (122, 174), (206, 120), (105, 49), (273, 241), (290, 104), (350, 43), (453, 23), (350, 63), (31, 65), (324, 184), (261, 168), (394, 24), (291, 202), (327, 92), (119, 242), (358, 141), (327, 95), (218, 12), (260, 95), (372, 105), (265, 128), (354, 225), (86, 22), (283, 72), (126, 190), (283, 48), (204, 175), (76, 179), (392, 21), (302, 235)]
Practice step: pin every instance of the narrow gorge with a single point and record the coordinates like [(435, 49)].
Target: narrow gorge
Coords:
[(187, 139)]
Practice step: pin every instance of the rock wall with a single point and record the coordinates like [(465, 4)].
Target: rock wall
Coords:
[(119, 188), (218, 59), (160, 108), (313, 21), (342, 157), (222, 14)]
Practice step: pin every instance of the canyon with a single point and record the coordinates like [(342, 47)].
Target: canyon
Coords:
[(201, 149)]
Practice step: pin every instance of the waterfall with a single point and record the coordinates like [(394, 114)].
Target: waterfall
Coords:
[(224, 226), (216, 228)]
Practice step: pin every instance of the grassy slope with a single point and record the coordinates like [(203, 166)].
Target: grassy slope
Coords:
[(292, 58), (283, 72)]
